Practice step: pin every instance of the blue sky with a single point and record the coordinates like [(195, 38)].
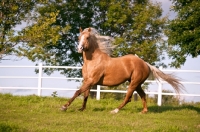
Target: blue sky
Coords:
[(191, 64)]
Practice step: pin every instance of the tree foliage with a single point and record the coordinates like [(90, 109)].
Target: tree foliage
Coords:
[(12, 13), (139, 30), (51, 34), (54, 34), (183, 32)]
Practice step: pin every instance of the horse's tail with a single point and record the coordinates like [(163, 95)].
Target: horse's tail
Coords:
[(170, 78)]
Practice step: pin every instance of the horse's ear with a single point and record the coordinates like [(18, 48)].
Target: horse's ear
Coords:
[(89, 29), (80, 29)]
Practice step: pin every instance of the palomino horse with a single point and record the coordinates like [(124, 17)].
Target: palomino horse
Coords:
[(101, 69)]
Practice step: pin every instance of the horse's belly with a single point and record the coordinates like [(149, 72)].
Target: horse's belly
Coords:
[(113, 79)]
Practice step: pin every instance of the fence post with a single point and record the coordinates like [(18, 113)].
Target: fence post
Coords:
[(160, 91), (98, 92), (40, 79)]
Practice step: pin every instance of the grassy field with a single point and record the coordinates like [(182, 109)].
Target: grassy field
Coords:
[(42, 114)]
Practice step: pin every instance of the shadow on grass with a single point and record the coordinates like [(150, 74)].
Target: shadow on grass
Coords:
[(6, 127), (155, 108), (160, 109), (99, 109)]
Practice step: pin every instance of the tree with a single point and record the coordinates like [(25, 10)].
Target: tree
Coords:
[(183, 32), (52, 38), (139, 30), (12, 13)]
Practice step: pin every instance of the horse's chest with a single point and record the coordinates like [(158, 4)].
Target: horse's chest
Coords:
[(92, 69)]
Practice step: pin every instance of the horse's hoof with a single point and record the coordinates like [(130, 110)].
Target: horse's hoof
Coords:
[(115, 111), (63, 108), (81, 109), (143, 112)]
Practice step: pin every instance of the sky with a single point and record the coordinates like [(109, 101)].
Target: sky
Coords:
[(191, 64)]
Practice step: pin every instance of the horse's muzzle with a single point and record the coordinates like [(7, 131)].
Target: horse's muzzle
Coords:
[(80, 49)]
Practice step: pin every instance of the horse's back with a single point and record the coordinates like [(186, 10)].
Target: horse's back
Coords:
[(132, 62), (120, 69)]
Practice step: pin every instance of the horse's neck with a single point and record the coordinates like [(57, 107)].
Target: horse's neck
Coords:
[(92, 55), (94, 52)]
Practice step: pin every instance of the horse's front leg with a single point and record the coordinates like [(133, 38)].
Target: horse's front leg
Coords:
[(86, 94), (84, 88)]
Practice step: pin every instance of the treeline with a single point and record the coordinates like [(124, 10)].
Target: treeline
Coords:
[(51, 28)]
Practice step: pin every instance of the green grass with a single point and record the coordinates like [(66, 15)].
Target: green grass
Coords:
[(40, 114)]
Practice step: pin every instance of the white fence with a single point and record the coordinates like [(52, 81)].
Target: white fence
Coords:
[(40, 77)]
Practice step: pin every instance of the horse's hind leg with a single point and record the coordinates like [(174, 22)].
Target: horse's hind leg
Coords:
[(136, 80), (142, 94), (126, 100), (86, 94)]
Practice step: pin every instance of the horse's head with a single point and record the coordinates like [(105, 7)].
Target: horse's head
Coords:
[(84, 40), (90, 39)]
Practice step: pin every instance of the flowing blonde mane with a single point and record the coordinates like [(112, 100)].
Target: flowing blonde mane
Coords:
[(105, 43)]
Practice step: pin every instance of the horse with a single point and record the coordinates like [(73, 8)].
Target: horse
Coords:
[(99, 68)]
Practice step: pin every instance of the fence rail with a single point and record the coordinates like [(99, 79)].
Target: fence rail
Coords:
[(40, 78)]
